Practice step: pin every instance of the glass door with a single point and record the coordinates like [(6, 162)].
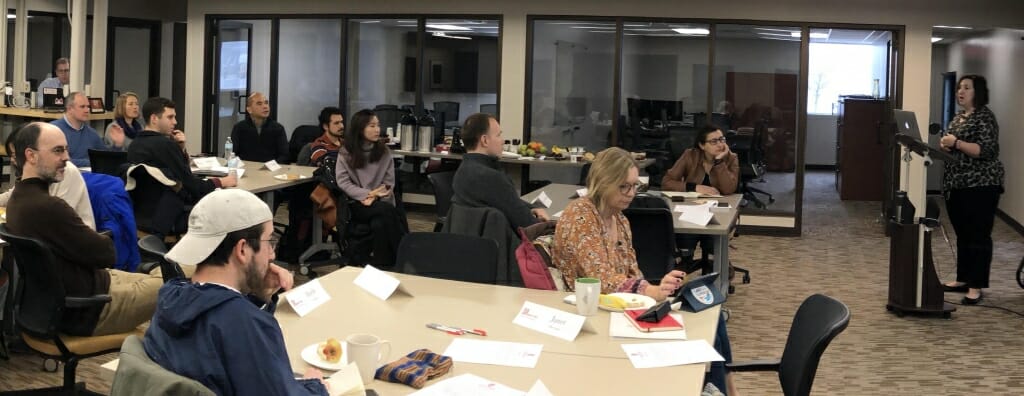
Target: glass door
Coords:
[(241, 65)]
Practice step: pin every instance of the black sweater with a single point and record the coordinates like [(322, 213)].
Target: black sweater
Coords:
[(270, 143), (158, 150), (82, 255), (480, 182)]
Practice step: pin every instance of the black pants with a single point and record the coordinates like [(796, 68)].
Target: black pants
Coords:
[(972, 212), (388, 227)]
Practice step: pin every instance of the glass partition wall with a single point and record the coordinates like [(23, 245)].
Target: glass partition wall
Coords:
[(647, 84)]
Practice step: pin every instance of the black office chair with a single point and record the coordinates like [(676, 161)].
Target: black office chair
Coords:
[(447, 113), (650, 221), (751, 154), (449, 256), (152, 249), (153, 246), (680, 138), (113, 163), (584, 172), (385, 107), (352, 239), (443, 193), (40, 302), (157, 206), (491, 109), (301, 136), (818, 320)]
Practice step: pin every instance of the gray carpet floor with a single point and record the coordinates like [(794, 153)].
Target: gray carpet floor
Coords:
[(843, 253)]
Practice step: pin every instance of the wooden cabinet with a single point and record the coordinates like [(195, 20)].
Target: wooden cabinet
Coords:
[(861, 148)]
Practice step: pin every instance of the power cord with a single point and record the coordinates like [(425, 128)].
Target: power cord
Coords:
[(988, 306)]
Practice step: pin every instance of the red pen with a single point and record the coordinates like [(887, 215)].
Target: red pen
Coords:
[(446, 329), (479, 332)]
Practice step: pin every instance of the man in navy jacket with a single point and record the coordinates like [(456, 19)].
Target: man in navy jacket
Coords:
[(219, 328)]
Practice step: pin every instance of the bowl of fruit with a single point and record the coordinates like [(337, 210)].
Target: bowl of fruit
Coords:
[(533, 149)]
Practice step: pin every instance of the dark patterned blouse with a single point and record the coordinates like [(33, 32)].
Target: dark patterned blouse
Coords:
[(981, 128)]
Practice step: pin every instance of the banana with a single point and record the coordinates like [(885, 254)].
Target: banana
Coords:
[(619, 302)]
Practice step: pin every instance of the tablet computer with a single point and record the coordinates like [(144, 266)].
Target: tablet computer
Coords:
[(699, 294)]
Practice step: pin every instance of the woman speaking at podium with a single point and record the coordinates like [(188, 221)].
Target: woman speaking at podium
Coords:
[(972, 186)]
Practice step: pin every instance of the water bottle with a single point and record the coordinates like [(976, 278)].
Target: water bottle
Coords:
[(229, 149)]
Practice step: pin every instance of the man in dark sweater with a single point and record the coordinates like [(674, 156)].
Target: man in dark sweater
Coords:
[(82, 255), (258, 138), (162, 146), (480, 180)]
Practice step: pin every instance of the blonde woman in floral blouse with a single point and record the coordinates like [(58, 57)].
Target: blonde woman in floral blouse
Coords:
[(972, 186), (593, 240)]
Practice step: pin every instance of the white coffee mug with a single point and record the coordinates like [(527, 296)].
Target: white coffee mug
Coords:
[(588, 294), (365, 351)]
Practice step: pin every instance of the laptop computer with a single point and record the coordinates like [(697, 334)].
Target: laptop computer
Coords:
[(906, 122), (699, 294), (53, 100)]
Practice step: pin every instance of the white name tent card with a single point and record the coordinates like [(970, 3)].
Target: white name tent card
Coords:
[(543, 199), (304, 299), (581, 192), (272, 165), (498, 353), (539, 389), (675, 353), (551, 321), (699, 215), (379, 283), (467, 385)]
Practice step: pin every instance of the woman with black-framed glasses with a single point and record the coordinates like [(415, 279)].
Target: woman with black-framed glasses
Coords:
[(709, 167)]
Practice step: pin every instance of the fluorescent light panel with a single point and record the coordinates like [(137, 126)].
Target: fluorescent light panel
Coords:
[(693, 31), (953, 27), (936, 39), (814, 35), (447, 27)]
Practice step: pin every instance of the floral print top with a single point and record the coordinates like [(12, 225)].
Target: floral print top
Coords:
[(582, 249), (981, 128)]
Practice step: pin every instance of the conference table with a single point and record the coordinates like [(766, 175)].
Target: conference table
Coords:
[(720, 227), (259, 180), (593, 364)]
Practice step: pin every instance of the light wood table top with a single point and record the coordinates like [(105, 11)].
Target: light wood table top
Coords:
[(724, 221), (258, 180), (40, 114), (594, 364)]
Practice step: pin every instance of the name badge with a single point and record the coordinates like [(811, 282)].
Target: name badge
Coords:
[(304, 299), (272, 166), (553, 322), (379, 283)]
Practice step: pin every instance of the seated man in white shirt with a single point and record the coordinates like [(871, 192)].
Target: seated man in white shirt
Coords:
[(63, 71)]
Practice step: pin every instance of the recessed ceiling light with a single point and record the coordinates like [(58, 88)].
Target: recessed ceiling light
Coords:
[(814, 35), (953, 27), (448, 27), (936, 39), (442, 34), (374, 21), (693, 31)]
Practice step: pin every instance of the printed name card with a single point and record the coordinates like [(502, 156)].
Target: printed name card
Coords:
[(543, 199), (206, 162), (379, 283), (272, 166), (553, 322), (581, 192), (307, 297)]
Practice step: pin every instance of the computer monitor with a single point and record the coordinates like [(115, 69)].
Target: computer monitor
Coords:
[(666, 110)]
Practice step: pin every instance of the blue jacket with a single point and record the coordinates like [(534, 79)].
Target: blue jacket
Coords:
[(112, 210), (222, 339)]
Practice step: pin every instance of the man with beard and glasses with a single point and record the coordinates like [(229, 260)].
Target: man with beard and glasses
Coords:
[(219, 328), (82, 255)]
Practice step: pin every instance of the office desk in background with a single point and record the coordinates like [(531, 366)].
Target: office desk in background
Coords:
[(594, 364), (720, 228)]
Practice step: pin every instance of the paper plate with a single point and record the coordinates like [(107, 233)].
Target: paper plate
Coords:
[(310, 356)]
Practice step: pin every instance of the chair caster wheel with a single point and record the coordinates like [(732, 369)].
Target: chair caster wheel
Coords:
[(732, 289), (303, 270), (50, 365), (771, 200), (746, 279), (947, 315)]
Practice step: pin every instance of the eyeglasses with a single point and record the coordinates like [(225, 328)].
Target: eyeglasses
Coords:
[(715, 140), (63, 70), (272, 242), (625, 188), (59, 150)]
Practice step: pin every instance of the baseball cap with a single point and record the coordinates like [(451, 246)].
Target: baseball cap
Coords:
[(212, 218)]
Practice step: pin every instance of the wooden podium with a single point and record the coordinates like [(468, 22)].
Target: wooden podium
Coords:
[(913, 285)]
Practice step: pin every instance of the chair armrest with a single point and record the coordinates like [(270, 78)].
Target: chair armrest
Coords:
[(755, 365), (85, 302)]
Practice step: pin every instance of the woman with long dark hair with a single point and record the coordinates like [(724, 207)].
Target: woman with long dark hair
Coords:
[(972, 185), (366, 173)]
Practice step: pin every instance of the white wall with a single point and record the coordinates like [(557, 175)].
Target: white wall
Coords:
[(309, 70), (917, 15), (999, 56)]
